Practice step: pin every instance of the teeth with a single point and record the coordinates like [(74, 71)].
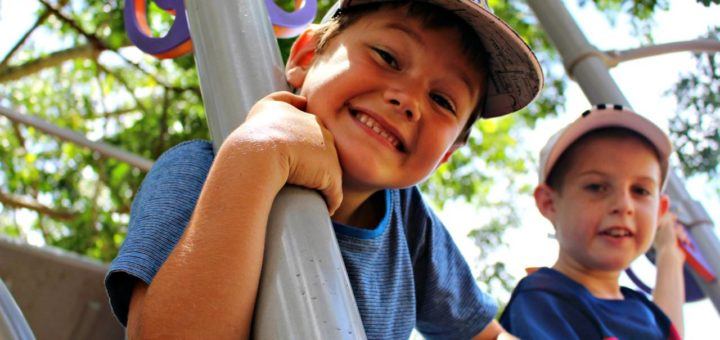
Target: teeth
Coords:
[(373, 125), (617, 232)]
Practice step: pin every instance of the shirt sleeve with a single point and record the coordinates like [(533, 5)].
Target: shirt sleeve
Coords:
[(450, 305), (159, 214), (536, 314)]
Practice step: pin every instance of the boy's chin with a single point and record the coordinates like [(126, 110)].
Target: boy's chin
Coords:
[(362, 173), (363, 181), (614, 265)]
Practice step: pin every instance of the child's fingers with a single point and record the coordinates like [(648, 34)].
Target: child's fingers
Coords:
[(332, 188), (681, 234), (295, 100), (666, 236), (298, 102), (333, 194), (313, 159), (667, 220)]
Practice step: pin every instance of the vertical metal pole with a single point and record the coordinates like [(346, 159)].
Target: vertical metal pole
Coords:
[(237, 59), (304, 291), (587, 66), (13, 325)]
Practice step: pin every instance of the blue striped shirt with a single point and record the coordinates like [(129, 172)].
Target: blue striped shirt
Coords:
[(405, 273)]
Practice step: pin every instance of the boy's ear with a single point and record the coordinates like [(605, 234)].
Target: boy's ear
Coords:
[(450, 151), (301, 56), (545, 201), (664, 205)]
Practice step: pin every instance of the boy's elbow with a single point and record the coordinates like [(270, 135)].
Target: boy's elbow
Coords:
[(146, 325), (134, 321), (149, 320)]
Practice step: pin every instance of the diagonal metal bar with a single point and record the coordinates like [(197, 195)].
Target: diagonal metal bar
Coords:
[(104, 149)]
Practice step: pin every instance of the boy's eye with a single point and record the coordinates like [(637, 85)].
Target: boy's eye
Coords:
[(442, 101), (388, 58), (595, 187), (641, 191)]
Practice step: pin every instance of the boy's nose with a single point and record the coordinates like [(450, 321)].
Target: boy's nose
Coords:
[(404, 104), (622, 204), (408, 112)]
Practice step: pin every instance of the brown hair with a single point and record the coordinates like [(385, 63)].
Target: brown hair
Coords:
[(556, 177), (433, 17)]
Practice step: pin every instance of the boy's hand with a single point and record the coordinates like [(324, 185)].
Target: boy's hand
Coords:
[(669, 292), (668, 235), (305, 147)]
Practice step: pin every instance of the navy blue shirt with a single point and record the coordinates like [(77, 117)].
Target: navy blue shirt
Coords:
[(549, 305), (406, 272)]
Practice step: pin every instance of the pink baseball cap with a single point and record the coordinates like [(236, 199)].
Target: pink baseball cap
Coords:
[(515, 77), (602, 116)]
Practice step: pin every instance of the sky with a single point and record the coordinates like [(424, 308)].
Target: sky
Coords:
[(644, 83)]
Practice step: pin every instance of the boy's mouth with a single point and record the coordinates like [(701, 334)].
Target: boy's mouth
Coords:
[(378, 128), (617, 232)]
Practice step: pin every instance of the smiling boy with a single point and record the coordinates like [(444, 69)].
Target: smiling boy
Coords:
[(386, 92), (601, 179), (394, 103)]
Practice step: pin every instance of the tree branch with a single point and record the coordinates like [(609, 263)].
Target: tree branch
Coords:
[(15, 201), (99, 44), (92, 38), (118, 112), (163, 124), (124, 84), (22, 40), (194, 89), (91, 50), (40, 20), (18, 134), (54, 59)]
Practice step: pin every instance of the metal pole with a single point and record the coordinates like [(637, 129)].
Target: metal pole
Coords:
[(304, 291), (697, 45), (13, 325), (588, 67), (104, 149)]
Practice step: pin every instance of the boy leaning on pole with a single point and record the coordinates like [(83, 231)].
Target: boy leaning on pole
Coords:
[(386, 91)]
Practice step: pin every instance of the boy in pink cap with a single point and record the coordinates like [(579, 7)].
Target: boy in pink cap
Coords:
[(386, 92), (601, 179)]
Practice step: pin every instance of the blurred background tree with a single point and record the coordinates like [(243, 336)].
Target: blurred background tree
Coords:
[(695, 129), (75, 68)]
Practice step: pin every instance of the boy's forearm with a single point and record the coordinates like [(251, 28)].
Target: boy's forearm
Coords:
[(669, 293), (208, 285)]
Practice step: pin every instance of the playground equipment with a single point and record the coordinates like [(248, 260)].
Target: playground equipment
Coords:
[(304, 289), (61, 295), (250, 58), (12, 322)]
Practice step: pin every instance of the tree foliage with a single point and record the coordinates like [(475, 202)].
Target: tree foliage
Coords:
[(71, 196), (695, 129), (75, 68)]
